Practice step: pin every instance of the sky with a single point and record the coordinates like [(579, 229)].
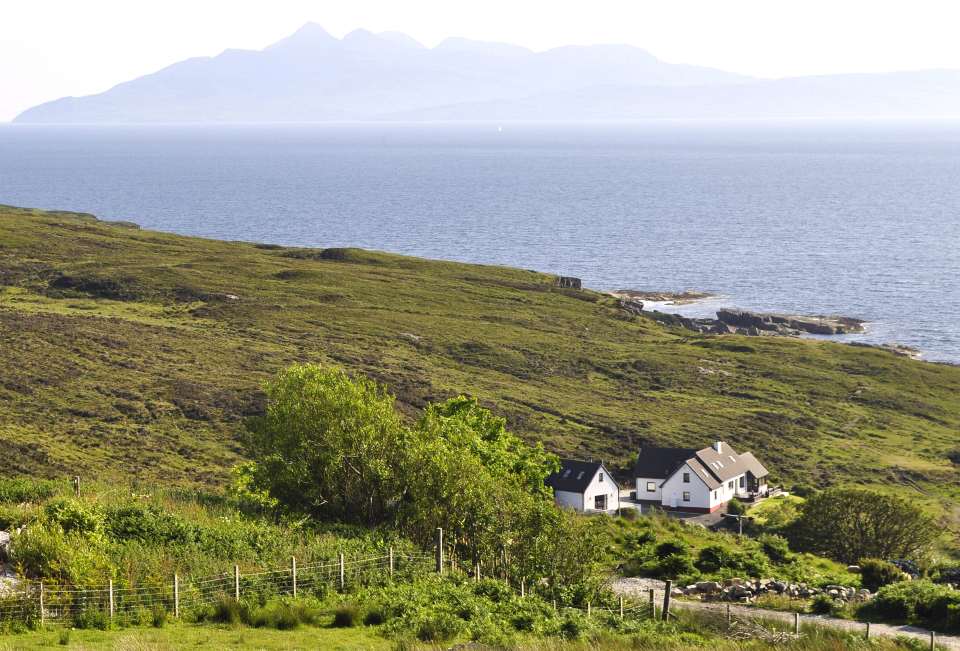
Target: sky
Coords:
[(54, 48)]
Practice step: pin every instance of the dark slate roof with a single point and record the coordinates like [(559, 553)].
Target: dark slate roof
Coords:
[(705, 475), (723, 465), (575, 476), (660, 463), (755, 467)]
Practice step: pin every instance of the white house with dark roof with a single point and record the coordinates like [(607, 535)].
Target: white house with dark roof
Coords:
[(700, 481), (585, 486)]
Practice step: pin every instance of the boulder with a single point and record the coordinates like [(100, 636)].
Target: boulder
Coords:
[(855, 569), (708, 587)]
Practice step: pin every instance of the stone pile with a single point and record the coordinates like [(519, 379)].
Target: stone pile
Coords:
[(746, 591)]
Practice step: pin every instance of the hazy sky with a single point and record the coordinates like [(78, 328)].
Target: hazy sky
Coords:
[(52, 48)]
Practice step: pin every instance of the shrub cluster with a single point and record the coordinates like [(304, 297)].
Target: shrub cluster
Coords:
[(917, 602)]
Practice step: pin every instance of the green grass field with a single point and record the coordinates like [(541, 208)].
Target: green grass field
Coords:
[(130, 354), (194, 636)]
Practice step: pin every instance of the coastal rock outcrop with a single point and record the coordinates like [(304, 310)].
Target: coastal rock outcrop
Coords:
[(787, 324)]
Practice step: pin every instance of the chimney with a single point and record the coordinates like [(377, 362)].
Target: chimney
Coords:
[(718, 446)]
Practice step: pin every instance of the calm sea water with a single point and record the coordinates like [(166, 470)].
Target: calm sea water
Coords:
[(861, 219)]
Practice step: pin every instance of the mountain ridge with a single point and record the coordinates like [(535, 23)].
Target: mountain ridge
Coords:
[(311, 76)]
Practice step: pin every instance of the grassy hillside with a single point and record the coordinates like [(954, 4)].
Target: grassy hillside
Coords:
[(128, 353)]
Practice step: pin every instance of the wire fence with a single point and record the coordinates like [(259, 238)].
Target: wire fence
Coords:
[(38, 602)]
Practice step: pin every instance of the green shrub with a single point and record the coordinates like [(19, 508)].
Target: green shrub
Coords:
[(226, 610), (909, 601), (74, 516), (876, 573), (63, 638), (775, 547), (674, 566), (671, 548), (736, 507), (439, 627), (715, 557), (375, 615), (18, 490), (92, 618), (159, 618), (346, 616), (824, 604), (629, 514)]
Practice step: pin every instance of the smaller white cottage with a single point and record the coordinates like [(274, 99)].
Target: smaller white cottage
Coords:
[(585, 486)]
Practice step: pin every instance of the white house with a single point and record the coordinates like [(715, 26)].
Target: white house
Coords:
[(699, 481), (585, 486)]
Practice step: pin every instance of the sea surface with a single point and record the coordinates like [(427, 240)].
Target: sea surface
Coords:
[(853, 218)]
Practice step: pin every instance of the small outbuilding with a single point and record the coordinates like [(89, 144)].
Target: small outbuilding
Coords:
[(585, 486)]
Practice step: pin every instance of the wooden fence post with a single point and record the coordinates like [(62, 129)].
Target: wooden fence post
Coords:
[(293, 574), (343, 575), (621, 606), (476, 573), (176, 596), (653, 603), (588, 609), (523, 587), (76, 486), (796, 623), (236, 582), (729, 619), (668, 588), (933, 641), (43, 614), (439, 550), (110, 587), (391, 562)]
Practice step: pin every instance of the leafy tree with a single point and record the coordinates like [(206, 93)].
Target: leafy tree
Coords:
[(848, 524), (329, 444), (335, 447)]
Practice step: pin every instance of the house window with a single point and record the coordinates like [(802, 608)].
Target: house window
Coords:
[(651, 487), (743, 481), (686, 478), (730, 485), (600, 502), (601, 477), (714, 494), (686, 496)]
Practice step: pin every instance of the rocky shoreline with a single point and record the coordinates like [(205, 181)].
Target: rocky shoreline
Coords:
[(748, 323)]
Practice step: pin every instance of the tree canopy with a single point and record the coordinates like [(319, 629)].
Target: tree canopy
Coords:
[(335, 447), (849, 524)]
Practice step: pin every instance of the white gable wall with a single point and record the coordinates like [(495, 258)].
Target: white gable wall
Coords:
[(606, 487), (674, 487)]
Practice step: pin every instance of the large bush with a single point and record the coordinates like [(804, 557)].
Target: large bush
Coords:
[(918, 602), (876, 573), (848, 524), (335, 447)]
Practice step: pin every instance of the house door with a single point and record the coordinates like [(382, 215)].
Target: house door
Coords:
[(600, 502)]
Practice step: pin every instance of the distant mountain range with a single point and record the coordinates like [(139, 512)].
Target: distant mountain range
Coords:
[(311, 76)]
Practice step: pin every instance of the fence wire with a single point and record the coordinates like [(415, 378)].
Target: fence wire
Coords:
[(38, 601)]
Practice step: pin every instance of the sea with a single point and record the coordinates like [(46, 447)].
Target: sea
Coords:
[(856, 218)]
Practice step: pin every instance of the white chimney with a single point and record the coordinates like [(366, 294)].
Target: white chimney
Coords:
[(718, 446)]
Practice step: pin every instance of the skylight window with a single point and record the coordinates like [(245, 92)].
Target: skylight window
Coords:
[(732, 460), (580, 475), (566, 473)]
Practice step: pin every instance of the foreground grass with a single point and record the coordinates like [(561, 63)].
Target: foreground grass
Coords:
[(136, 354), (194, 636)]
